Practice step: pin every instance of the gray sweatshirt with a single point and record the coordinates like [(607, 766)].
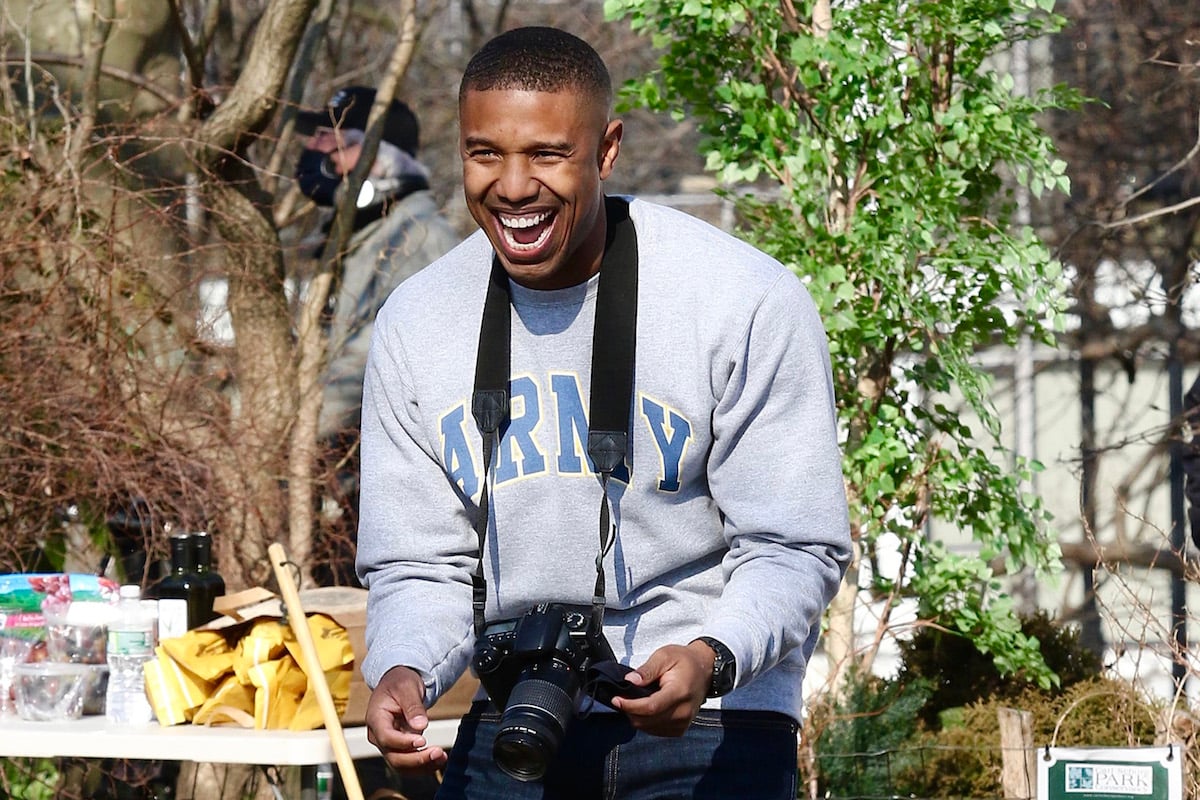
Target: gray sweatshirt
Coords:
[(732, 518)]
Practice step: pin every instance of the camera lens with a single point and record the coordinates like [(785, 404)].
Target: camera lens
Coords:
[(532, 726)]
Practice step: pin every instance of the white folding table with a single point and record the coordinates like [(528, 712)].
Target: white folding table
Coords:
[(93, 737)]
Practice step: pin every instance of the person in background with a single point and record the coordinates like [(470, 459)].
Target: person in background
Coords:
[(398, 229), (724, 529)]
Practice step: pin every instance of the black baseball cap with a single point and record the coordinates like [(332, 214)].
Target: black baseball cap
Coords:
[(350, 107)]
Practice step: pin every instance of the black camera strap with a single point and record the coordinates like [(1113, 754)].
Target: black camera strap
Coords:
[(613, 341)]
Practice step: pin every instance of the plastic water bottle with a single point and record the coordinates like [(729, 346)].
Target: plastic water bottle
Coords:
[(324, 781), (130, 645)]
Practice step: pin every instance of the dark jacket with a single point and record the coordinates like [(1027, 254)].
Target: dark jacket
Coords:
[(382, 254), (1191, 458)]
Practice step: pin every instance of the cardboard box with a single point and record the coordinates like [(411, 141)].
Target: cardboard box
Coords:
[(347, 606)]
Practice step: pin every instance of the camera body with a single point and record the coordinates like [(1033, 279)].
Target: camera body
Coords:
[(535, 668), (550, 636)]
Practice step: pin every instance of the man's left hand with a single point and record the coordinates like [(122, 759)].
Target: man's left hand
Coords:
[(683, 675)]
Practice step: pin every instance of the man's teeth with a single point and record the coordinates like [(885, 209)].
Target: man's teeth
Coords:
[(515, 245), (524, 222)]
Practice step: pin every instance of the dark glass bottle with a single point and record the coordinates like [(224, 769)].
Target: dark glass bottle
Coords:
[(212, 585), (179, 596)]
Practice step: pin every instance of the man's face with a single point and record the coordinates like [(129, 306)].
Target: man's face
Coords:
[(331, 141), (533, 165)]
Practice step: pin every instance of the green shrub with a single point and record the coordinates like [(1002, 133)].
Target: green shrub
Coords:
[(933, 731), (855, 740), (959, 674), (963, 758)]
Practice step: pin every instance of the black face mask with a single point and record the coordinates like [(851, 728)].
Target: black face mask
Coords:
[(317, 177)]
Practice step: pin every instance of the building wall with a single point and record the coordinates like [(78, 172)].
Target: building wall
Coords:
[(1132, 500)]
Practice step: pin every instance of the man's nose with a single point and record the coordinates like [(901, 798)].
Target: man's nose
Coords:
[(516, 181), (323, 141)]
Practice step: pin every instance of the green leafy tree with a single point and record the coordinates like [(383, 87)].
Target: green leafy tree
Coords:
[(877, 150)]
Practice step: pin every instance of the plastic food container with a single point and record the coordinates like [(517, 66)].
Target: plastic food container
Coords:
[(76, 644), (48, 691)]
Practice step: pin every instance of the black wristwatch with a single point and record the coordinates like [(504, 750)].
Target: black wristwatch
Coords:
[(724, 668)]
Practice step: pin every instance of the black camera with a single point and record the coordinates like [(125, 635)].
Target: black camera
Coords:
[(535, 668)]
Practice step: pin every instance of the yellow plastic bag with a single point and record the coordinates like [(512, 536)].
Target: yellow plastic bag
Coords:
[(231, 702), (258, 682), (262, 644), (336, 656), (204, 653), (175, 692), (278, 686)]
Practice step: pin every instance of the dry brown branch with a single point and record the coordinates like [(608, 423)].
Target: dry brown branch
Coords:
[(317, 31), (192, 55), (1148, 216), (252, 102), (1136, 554), (109, 71), (93, 56)]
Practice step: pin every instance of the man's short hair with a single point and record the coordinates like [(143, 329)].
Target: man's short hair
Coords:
[(538, 59)]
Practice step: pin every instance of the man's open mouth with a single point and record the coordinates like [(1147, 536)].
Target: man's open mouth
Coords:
[(525, 233)]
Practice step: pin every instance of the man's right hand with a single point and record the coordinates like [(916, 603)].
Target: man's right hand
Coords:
[(396, 722)]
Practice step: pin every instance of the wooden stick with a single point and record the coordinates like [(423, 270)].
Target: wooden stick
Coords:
[(316, 675)]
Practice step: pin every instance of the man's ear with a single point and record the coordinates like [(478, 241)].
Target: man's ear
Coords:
[(610, 147)]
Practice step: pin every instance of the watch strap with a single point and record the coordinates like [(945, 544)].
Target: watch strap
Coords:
[(724, 670)]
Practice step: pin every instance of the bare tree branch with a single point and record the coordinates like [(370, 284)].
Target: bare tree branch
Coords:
[(133, 79), (1091, 554), (316, 32), (252, 102), (1149, 215), (192, 55), (1178, 165), (93, 57)]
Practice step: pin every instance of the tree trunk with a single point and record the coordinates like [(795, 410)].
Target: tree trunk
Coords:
[(839, 636), (254, 470)]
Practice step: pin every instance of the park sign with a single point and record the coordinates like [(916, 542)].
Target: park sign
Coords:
[(1110, 773)]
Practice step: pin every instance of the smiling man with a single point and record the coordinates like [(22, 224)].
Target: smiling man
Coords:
[(533, 164), (591, 363)]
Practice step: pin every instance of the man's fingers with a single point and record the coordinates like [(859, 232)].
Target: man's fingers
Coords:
[(681, 681), (427, 760), (413, 718), (406, 749), (397, 719), (396, 739)]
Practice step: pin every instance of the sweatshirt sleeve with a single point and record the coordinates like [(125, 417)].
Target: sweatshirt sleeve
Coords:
[(775, 472), (416, 545)]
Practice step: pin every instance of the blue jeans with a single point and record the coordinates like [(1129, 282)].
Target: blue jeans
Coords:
[(746, 755)]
